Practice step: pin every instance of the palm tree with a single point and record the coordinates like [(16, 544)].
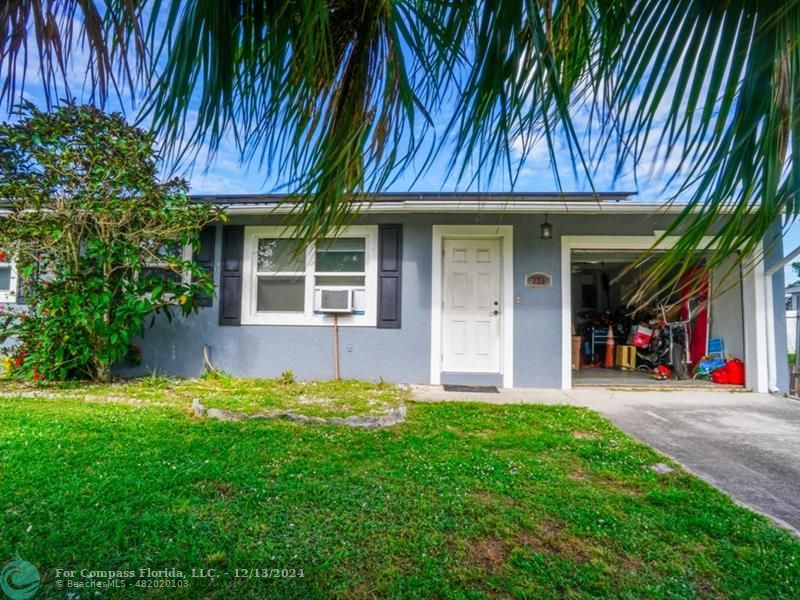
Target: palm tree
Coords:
[(344, 94)]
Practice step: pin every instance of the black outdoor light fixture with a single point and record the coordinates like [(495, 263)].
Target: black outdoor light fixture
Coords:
[(547, 230)]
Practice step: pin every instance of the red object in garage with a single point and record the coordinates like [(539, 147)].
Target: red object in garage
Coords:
[(735, 372), (662, 372), (641, 336), (732, 373), (720, 375), (694, 307), (608, 363)]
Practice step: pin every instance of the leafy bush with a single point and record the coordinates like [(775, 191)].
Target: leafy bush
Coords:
[(287, 377), (97, 240)]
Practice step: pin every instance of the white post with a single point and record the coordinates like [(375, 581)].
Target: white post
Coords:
[(755, 326)]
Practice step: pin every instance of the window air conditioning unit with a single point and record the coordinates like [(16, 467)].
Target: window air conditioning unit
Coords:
[(336, 301)]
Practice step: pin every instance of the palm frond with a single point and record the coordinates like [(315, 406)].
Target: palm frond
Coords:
[(110, 35), (724, 79), (334, 95), (341, 96)]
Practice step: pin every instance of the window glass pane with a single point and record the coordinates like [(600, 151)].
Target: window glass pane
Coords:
[(348, 280), (281, 294), (278, 255), (165, 274), (170, 250), (343, 254), (5, 278)]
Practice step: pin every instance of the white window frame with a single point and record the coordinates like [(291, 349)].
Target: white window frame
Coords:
[(250, 316), (186, 255), (10, 295)]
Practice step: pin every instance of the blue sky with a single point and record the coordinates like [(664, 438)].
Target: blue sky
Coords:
[(224, 174)]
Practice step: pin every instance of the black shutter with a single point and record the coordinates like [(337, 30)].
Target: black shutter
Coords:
[(230, 305), (390, 267), (205, 259)]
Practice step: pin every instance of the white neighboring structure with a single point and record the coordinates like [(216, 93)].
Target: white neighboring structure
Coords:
[(792, 312)]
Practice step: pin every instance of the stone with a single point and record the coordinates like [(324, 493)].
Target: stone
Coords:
[(393, 417), (198, 408), (661, 468), (225, 415)]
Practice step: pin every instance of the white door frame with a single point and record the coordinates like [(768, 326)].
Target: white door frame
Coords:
[(754, 302), (506, 235)]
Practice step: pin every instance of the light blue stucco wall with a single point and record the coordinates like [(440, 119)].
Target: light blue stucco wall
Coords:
[(399, 355)]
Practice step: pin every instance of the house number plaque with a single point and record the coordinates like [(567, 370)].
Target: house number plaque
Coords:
[(538, 280)]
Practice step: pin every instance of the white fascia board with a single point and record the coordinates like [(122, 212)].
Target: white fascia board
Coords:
[(415, 206)]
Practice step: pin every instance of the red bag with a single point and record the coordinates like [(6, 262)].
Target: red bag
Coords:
[(735, 369), (720, 375), (731, 374)]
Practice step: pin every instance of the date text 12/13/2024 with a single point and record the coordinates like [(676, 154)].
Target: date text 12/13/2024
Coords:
[(161, 578)]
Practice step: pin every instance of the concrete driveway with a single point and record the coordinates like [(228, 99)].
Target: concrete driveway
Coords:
[(746, 444)]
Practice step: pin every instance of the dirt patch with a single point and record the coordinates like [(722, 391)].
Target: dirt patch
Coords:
[(489, 553), (225, 490), (493, 500), (620, 486), (580, 476), (550, 538), (216, 489), (585, 435), (487, 498), (630, 563)]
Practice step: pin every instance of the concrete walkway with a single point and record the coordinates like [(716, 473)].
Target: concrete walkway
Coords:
[(746, 444)]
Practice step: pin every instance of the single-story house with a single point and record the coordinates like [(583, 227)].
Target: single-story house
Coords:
[(470, 288)]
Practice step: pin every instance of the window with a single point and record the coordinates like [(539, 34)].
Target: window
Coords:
[(160, 265), (283, 287), (281, 277), (342, 264), (8, 279)]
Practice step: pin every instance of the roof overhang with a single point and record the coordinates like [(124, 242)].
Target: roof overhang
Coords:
[(417, 207), (439, 202)]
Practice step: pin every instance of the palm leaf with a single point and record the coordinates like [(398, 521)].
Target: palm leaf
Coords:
[(341, 96), (110, 33)]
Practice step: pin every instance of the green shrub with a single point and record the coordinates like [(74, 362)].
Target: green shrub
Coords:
[(97, 240), (287, 377)]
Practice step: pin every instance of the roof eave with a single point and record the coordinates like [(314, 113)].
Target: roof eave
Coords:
[(426, 206)]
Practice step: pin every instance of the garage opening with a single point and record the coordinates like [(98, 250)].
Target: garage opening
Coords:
[(674, 341)]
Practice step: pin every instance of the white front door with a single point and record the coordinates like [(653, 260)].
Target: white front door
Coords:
[(471, 305)]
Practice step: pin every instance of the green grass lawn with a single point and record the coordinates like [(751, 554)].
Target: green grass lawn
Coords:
[(461, 500)]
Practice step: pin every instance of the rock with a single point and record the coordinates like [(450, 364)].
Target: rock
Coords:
[(225, 415), (398, 415), (198, 408), (661, 468)]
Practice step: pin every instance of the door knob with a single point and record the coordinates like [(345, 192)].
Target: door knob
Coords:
[(495, 312)]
